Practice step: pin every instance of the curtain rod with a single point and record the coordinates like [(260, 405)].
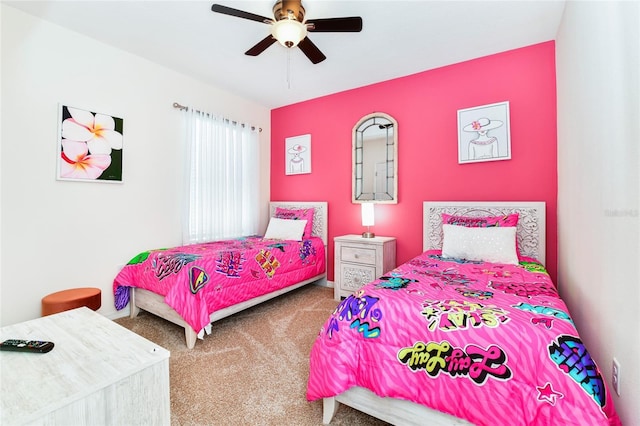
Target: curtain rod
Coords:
[(182, 108)]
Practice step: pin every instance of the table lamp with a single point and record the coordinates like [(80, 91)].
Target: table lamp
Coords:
[(367, 219)]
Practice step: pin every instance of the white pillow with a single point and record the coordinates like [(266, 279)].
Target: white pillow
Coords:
[(285, 229), (494, 244)]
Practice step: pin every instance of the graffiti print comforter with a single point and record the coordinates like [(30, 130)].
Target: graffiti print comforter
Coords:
[(197, 280), (489, 343)]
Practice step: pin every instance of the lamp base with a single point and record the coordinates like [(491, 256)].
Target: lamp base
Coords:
[(368, 234)]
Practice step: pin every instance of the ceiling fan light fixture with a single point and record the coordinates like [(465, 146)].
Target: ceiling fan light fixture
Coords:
[(288, 32)]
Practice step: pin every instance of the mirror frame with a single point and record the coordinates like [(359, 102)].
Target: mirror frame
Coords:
[(354, 134)]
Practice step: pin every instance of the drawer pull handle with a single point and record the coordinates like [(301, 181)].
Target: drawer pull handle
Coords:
[(356, 256)]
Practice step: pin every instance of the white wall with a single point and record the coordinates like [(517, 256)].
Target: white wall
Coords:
[(598, 79), (56, 234)]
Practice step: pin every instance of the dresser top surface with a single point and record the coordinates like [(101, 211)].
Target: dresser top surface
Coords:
[(90, 353), (357, 238)]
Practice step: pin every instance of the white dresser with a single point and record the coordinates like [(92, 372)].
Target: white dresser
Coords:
[(98, 373), (361, 260)]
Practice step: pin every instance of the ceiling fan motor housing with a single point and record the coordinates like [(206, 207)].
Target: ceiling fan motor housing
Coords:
[(288, 9), (288, 28)]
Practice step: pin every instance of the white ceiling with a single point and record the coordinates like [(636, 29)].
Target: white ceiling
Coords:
[(398, 38)]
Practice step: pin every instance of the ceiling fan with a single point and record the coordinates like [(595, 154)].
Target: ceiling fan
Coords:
[(290, 29)]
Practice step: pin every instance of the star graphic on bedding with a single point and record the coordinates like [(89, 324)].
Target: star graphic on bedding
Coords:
[(547, 394)]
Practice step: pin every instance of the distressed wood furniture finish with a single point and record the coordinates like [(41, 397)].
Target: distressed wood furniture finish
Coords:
[(98, 373), (361, 260), (530, 235), (155, 304)]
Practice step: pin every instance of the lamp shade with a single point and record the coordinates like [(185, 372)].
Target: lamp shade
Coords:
[(367, 214), (288, 32)]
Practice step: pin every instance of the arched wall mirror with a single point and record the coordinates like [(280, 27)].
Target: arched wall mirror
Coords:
[(375, 159)]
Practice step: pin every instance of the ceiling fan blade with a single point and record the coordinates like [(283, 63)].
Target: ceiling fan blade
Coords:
[(239, 13), (336, 25), (261, 46), (311, 51)]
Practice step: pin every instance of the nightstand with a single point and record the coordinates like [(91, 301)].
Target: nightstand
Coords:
[(361, 260)]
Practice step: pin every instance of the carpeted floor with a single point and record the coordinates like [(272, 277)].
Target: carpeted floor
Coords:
[(253, 368)]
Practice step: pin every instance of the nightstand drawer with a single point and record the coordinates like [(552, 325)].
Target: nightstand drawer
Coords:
[(362, 255), (352, 277)]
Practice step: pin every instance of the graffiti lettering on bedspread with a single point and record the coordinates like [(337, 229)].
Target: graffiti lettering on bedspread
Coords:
[(547, 322), (571, 356), (394, 282), (365, 329), (497, 271), (534, 267), (473, 361), (358, 310), (422, 263), (229, 263), (453, 259), (544, 310), (307, 251), (268, 262), (198, 278), (454, 315), (475, 294), (525, 289), (449, 276), (279, 246), (167, 264)]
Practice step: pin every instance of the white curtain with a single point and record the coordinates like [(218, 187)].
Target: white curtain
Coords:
[(221, 178)]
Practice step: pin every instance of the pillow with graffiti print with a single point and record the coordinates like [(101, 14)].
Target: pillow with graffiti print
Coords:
[(480, 222), (297, 214)]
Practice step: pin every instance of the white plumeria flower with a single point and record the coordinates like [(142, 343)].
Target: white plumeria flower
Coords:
[(76, 164), (97, 131)]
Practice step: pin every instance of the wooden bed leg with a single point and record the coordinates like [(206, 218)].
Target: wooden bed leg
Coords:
[(329, 408), (133, 309), (190, 336)]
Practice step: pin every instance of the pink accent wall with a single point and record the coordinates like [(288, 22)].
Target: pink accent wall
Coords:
[(425, 106)]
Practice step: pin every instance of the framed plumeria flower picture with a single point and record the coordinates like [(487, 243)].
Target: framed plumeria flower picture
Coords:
[(89, 146)]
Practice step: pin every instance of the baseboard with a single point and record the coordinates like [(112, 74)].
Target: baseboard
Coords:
[(324, 283), (118, 314)]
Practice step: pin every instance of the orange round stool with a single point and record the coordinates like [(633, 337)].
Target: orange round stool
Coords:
[(70, 299)]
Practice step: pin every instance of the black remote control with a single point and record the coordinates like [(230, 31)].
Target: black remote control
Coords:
[(18, 345)]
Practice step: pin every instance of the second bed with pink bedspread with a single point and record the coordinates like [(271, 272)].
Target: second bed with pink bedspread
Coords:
[(199, 279)]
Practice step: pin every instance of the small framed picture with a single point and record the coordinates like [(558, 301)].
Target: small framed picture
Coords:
[(484, 134), (298, 155), (89, 146)]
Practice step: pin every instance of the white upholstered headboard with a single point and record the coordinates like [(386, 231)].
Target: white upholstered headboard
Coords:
[(530, 232), (319, 214)]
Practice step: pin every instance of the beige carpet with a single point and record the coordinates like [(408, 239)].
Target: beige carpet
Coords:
[(253, 368)]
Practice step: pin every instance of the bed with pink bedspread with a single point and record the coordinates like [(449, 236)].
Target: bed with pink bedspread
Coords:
[(458, 340), (194, 285)]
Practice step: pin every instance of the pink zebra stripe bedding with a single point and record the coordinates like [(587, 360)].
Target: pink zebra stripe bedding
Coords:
[(489, 343)]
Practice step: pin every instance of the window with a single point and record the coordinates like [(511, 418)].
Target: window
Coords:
[(221, 178)]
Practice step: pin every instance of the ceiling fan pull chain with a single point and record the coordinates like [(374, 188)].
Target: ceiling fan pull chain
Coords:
[(289, 69)]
